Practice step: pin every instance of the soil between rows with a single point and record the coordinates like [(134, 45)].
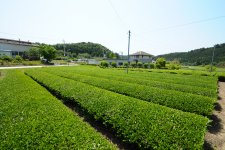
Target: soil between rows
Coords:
[(215, 137)]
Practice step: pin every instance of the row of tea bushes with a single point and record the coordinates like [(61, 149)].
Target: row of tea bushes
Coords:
[(149, 125), (170, 98), (197, 81), (158, 84), (31, 118)]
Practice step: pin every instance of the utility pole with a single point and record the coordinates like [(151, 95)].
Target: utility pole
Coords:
[(212, 58), (64, 50), (128, 58)]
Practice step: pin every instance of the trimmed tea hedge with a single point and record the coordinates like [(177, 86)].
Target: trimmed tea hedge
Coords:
[(200, 81), (149, 125), (163, 85), (31, 118), (170, 98)]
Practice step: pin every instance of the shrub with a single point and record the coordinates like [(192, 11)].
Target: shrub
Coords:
[(7, 58), (152, 66), (126, 64), (18, 59), (161, 62), (133, 64), (104, 64), (146, 65), (114, 64), (173, 66), (140, 64), (158, 66)]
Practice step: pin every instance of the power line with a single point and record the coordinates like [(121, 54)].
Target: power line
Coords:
[(182, 25), (117, 14)]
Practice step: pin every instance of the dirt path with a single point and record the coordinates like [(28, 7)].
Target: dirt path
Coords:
[(215, 137)]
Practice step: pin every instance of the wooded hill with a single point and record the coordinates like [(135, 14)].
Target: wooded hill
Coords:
[(200, 56), (86, 50)]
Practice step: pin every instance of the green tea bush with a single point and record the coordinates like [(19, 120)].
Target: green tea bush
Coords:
[(31, 118), (149, 125), (206, 86), (174, 99)]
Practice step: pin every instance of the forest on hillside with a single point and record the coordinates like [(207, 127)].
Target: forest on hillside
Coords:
[(202, 56), (85, 50)]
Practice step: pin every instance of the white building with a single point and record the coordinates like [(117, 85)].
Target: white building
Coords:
[(14, 47), (141, 56)]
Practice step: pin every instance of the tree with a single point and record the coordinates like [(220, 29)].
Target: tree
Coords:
[(160, 62), (48, 52), (84, 55), (33, 53), (93, 49)]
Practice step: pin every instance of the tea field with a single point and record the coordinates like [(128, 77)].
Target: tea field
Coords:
[(149, 109)]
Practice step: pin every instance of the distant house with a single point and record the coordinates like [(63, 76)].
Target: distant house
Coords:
[(12, 48), (141, 56)]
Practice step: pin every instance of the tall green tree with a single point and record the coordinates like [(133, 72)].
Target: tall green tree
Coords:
[(48, 52), (32, 54)]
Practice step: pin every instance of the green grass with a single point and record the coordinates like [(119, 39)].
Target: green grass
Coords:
[(31, 118)]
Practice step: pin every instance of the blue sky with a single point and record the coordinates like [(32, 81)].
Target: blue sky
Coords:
[(157, 26)]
